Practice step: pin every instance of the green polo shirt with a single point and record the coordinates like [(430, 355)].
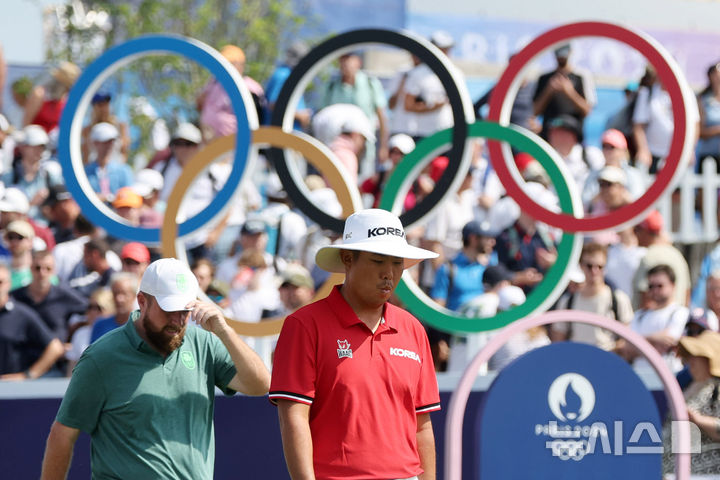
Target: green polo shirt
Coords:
[(148, 416)]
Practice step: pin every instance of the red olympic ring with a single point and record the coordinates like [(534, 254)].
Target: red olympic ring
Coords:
[(680, 148)]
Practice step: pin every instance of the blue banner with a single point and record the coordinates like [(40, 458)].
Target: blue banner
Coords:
[(568, 411)]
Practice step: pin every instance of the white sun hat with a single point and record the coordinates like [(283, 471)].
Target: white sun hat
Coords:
[(172, 284), (372, 230)]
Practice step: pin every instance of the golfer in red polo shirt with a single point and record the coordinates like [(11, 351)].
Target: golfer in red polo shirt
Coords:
[(353, 377)]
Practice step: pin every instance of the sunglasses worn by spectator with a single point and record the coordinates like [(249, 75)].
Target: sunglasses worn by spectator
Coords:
[(593, 266), (607, 146), (130, 261), (14, 236), (94, 306), (653, 286), (39, 268)]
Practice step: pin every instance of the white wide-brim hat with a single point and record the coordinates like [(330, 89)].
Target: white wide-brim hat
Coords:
[(373, 230)]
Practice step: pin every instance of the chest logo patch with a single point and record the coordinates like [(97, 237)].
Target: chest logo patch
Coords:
[(344, 349), (187, 359)]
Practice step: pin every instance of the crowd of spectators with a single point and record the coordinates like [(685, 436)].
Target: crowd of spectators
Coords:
[(64, 282)]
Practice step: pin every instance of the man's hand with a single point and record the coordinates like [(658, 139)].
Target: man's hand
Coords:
[(208, 316)]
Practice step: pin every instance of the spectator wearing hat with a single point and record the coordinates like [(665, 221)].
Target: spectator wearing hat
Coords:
[(55, 304), (613, 194), (19, 236), (399, 145), (29, 348), (564, 91), (148, 184), (128, 204), (253, 236), (594, 296), (615, 152), (702, 356), (62, 211), (699, 320), (34, 174), (352, 85), (108, 172), (14, 205), (100, 113), (297, 288), (217, 117), (460, 279), (135, 258), (564, 134), (659, 250), (45, 103), (425, 97), (350, 145), (184, 143)]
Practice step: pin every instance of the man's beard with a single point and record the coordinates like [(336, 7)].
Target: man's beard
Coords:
[(160, 340)]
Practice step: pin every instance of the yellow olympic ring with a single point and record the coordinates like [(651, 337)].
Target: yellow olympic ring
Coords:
[(314, 151)]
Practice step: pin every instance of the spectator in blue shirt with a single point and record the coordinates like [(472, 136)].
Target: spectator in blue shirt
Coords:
[(124, 287), (107, 173)]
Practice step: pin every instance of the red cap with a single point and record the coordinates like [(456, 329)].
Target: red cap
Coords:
[(135, 251), (522, 160), (615, 138), (653, 222), (438, 166)]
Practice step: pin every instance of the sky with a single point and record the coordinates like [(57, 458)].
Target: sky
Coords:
[(21, 30)]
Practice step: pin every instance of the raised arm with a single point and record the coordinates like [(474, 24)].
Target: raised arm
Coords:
[(252, 377), (58, 451)]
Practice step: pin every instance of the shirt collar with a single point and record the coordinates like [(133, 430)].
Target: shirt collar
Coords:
[(347, 316), (135, 340)]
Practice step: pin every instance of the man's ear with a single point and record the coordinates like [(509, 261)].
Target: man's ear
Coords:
[(142, 301), (346, 257)]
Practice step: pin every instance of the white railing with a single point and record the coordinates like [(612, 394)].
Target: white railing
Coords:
[(679, 208)]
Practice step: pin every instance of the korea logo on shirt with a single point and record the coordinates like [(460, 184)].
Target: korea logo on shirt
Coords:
[(344, 349)]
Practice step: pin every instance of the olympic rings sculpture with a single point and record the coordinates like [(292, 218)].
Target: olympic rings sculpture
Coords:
[(281, 137)]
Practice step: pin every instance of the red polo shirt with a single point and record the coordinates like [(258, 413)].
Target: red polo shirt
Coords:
[(364, 390)]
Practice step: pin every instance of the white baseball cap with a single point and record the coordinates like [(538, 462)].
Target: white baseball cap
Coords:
[(372, 230), (34, 135), (402, 142), (103, 132), (613, 174), (359, 124), (442, 39), (147, 181), (188, 131), (172, 284), (510, 296), (14, 200)]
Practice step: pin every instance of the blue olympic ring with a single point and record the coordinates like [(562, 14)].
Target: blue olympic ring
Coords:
[(79, 99)]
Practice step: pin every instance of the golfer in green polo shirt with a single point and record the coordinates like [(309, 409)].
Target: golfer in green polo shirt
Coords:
[(145, 391)]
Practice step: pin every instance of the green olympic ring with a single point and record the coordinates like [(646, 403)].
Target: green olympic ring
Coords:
[(555, 279)]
